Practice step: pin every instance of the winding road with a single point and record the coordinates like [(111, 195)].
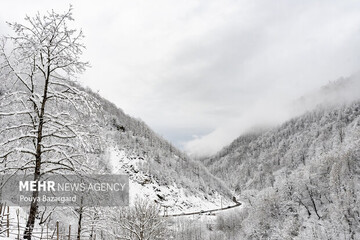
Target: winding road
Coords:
[(202, 212)]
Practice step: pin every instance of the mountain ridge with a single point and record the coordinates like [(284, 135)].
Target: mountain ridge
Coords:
[(299, 180)]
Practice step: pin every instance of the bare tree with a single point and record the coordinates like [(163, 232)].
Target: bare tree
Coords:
[(140, 222), (41, 112)]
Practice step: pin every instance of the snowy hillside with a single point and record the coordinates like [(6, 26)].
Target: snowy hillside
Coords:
[(301, 179), (114, 142), (155, 167), (173, 198)]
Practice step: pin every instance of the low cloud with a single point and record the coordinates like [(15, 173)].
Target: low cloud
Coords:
[(271, 112), (263, 114)]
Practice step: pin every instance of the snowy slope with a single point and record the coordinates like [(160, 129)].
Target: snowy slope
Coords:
[(172, 197), (119, 143), (301, 179)]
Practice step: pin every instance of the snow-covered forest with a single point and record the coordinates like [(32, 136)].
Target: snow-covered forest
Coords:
[(298, 180)]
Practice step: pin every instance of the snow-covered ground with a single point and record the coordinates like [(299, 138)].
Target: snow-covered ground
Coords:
[(170, 197), (18, 216)]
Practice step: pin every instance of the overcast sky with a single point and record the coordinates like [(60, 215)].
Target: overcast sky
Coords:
[(202, 72)]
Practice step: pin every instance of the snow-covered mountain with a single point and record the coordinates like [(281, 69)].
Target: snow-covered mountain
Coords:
[(157, 170), (155, 167), (119, 143), (300, 180)]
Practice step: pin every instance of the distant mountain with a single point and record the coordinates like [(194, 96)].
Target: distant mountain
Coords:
[(300, 180)]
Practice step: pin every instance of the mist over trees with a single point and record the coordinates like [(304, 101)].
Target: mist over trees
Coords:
[(297, 181), (300, 180)]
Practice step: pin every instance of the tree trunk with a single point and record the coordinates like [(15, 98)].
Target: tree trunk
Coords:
[(80, 219), (32, 214), (37, 172)]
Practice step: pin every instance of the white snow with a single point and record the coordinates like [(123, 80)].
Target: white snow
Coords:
[(171, 197)]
